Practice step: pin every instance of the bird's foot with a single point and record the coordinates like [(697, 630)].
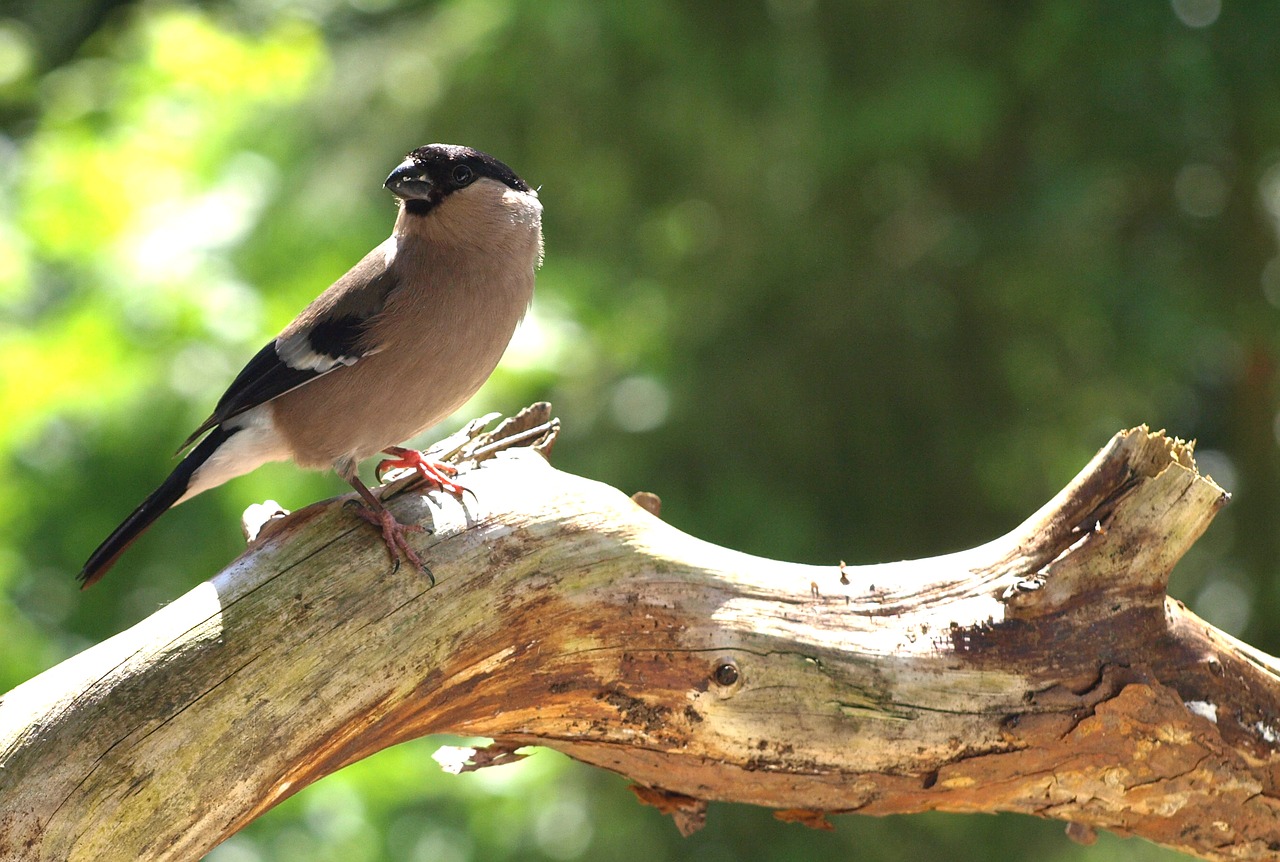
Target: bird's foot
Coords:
[(393, 535), (435, 472)]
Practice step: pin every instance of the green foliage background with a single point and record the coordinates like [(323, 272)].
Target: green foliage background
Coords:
[(858, 281)]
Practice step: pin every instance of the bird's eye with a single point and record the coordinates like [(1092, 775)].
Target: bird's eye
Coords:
[(463, 175)]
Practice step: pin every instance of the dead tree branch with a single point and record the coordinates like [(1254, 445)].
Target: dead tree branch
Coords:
[(1045, 672)]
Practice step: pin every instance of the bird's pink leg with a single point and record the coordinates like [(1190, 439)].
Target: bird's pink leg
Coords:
[(393, 535), (393, 532), (435, 472)]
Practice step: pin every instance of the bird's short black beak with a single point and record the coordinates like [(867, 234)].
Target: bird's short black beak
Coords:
[(409, 181)]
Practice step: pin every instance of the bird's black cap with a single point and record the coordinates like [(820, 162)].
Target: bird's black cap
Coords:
[(430, 174)]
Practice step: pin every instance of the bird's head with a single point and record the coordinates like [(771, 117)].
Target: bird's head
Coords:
[(429, 175)]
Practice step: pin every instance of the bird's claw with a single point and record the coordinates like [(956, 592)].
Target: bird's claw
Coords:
[(436, 473), (393, 536)]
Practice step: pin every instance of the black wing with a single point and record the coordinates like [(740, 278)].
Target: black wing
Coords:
[(266, 376), (328, 335)]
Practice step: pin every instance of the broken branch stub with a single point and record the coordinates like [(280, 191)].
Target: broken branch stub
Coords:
[(1044, 672)]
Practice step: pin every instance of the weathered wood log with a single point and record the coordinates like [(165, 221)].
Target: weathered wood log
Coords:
[(1045, 672)]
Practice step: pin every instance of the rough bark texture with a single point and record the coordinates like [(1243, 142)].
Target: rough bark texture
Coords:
[(1045, 672)]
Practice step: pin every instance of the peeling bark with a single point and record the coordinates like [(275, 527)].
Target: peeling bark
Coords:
[(1045, 672)]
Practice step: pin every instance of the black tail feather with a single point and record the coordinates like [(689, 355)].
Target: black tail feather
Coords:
[(160, 501)]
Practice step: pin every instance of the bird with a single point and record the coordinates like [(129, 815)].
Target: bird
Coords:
[(391, 348)]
